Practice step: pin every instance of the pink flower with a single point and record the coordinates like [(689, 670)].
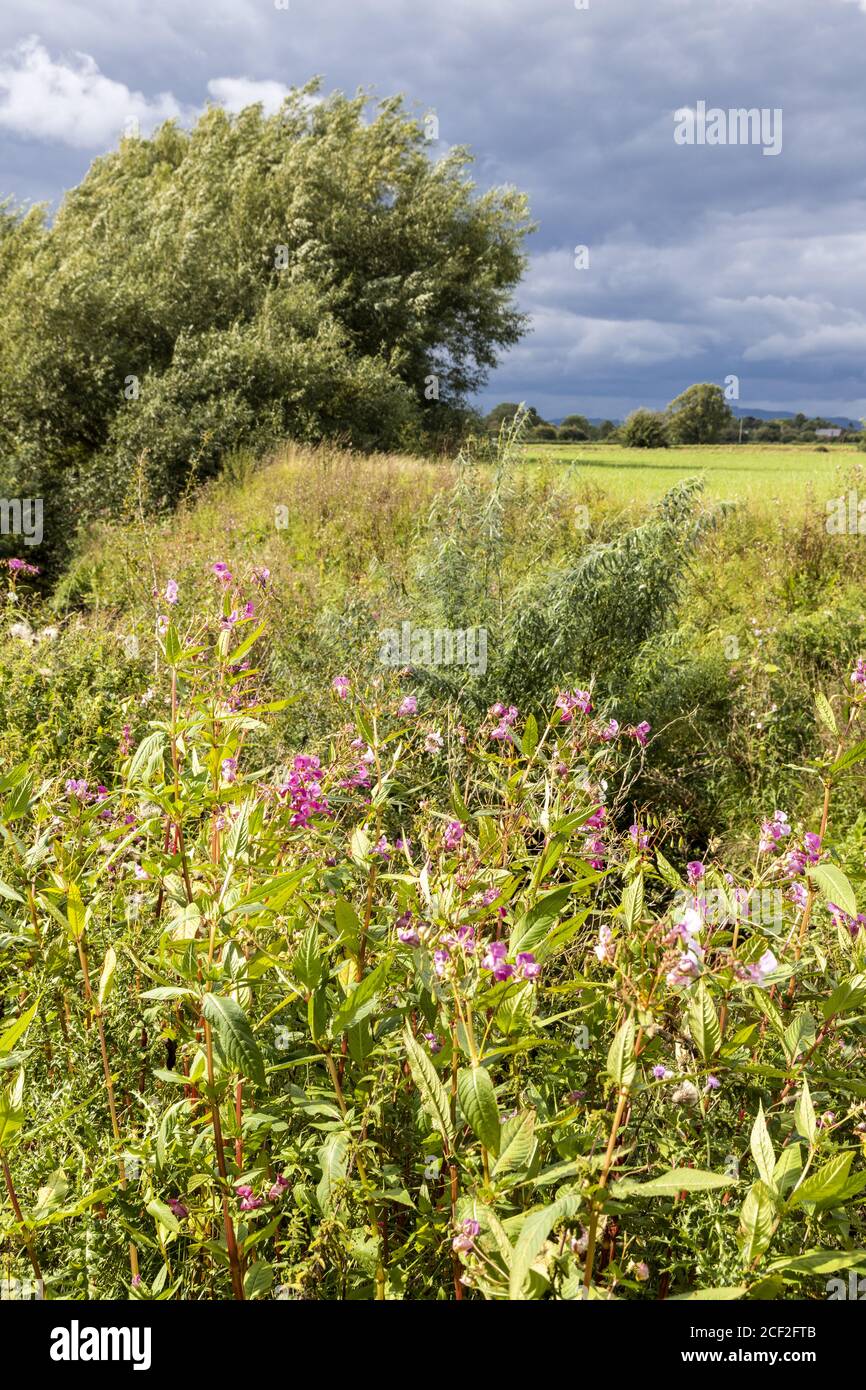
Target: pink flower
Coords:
[(229, 767), (604, 948), (642, 732), (171, 591), (278, 1189), (454, 833), (341, 687), (433, 742), (494, 961), (568, 701), (772, 831), (661, 1073), (434, 1042), (261, 575), (686, 970), (408, 706), (858, 675), (610, 731), (526, 966), (640, 837), (694, 872), (222, 572), (77, 787)]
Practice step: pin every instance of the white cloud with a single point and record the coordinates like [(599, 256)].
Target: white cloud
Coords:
[(234, 93), (72, 101)]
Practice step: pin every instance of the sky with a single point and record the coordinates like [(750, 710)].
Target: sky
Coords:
[(704, 260)]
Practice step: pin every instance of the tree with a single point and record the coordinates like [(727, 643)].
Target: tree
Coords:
[(578, 422), (309, 274), (699, 415), (645, 429), (505, 413)]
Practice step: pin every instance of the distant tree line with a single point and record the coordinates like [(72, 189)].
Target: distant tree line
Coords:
[(700, 415)]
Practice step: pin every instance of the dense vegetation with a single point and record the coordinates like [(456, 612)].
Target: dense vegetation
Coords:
[(330, 978)]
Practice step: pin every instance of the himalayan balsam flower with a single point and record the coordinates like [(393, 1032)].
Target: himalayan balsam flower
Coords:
[(772, 831), (177, 1208), (858, 675), (222, 572), (340, 686), (526, 966), (610, 731), (171, 591), (229, 768), (604, 948), (642, 732), (694, 872), (278, 1189), (454, 833), (494, 961), (77, 786), (570, 700), (261, 575), (686, 970), (408, 706), (433, 1041), (638, 836), (433, 742)]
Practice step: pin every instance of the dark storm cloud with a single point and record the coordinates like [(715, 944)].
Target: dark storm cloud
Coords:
[(704, 261)]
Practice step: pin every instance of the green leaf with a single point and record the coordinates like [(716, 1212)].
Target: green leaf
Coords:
[(704, 1023), (11, 1109), (258, 1279), (147, 757), (621, 1061), (529, 742), (825, 1185), (804, 1115), (819, 1262), (106, 979), (241, 650), (848, 997), (478, 1103), (360, 1001), (348, 924), (632, 902), (171, 646), (854, 755), (434, 1097), (825, 713), (333, 1158), (528, 933), (235, 1035), (76, 914), (10, 893), (517, 1143), (762, 1149), (757, 1221), (163, 1216), (307, 963), (724, 1295), (533, 1236), (673, 1183), (834, 886), (16, 1030)]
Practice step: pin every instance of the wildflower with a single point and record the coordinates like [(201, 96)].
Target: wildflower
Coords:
[(222, 572), (686, 970), (507, 717), (227, 623), (858, 675), (494, 961), (812, 846), (661, 1073), (756, 974), (713, 1083), (526, 966), (171, 591), (638, 836), (453, 835), (229, 768), (20, 567), (580, 1244), (642, 732), (177, 1208), (251, 1203), (433, 742), (434, 1042), (408, 706), (278, 1189), (140, 872), (77, 787), (694, 872), (798, 895), (340, 686), (261, 575), (249, 610), (441, 961), (640, 1270), (162, 624), (604, 948), (568, 701), (610, 731), (406, 935), (772, 831), (382, 848)]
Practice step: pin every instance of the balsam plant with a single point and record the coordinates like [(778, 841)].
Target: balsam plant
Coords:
[(428, 1013)]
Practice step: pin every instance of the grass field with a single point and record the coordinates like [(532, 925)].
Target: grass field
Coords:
[(764, 474)]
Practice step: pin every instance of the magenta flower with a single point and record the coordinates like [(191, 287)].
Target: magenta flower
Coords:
[(229, 768), (772, 831), (20, 567), (694, 871), (408, 936), (686, 970), (77, 786), (610, 731), (441, 961), (642, 732), (454, 833), (341, 687), (858, 675), (494, 961), (261, 575), (278, 1189), (526, 966), (661, 1073), (568, 701), (640, 837), (171, 591), (177, 1208), (408, 706), (434, 1042)]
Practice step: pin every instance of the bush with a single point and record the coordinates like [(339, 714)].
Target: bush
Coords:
[(645, 429)]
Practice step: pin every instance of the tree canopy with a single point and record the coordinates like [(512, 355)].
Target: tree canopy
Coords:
[(314, 274)]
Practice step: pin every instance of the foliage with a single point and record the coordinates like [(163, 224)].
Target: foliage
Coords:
[(645, 429), (699, 415), (416, 1020)]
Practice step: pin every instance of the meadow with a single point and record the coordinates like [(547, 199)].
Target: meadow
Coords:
[(764, 475)]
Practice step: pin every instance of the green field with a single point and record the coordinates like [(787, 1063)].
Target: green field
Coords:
[(765, 474)]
